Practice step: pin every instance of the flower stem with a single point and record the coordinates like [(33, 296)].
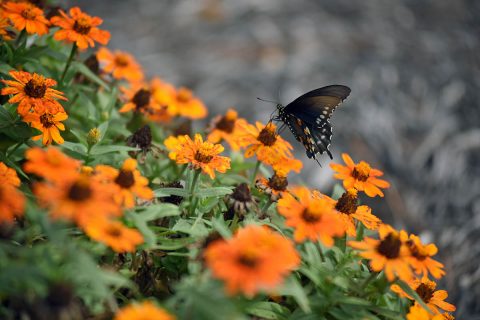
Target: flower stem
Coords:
[(69, 61), (254, 175), (267, 205), (193, 200)]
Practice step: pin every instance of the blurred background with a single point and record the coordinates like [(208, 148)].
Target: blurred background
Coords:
[(413, 67)]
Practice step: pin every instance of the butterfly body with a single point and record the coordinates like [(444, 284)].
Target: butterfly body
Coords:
[(308, 117)]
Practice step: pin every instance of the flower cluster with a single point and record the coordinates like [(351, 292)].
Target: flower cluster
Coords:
[(120, 209)]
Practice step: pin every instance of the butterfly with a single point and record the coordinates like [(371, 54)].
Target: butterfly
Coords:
[(308, 117)]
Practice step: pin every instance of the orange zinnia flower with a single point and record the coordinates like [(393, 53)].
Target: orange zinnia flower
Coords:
[(8, 176), (27, 16), (275, 186), (80, 198), (255, 259), (360, 176), (348, 209), (416, 312), (172, 143), (263, 142), (145, 310), (425, 288), (12, 203), (80, 28), (312, 218), (129, 181), (50, 164), (33, 93), (49, 124), (153, 99), (421, 259), (5, 34), (114, 234), (200, 155), (283, 165), (187, 105), (120, 64), (228, 127), (390, 253)]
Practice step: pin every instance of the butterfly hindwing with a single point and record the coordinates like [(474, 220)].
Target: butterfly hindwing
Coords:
[(308, 117)]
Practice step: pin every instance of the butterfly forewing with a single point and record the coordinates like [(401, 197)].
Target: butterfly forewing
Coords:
[(308, 117)]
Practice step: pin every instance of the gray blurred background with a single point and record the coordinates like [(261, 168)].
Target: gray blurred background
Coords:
[(413, 67)]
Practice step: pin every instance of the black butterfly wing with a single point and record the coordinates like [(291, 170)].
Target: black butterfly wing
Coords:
[(308, 117)]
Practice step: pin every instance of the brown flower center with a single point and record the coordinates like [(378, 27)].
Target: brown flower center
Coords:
[(242, 193), (425, 292), (29, 14), (80, 191), (35, 87), (416, 251), (125, 179), (278, 182), (121, 60), (82, 26), (361, 171), (47, 120), (184, 95), (142, 138), (249, 261), (390, 246), (204, 153), (226, 124), (310, 216), (141, 98), (348, 202), (114, 232), (267, 136)]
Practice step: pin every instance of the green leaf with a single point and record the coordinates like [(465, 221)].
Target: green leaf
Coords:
[(196, 229), (293, 288), (75, 147), (166, 192), (172, 244), (268, 310), (98, 150), (158, 211), (83, 69), (213, 192)]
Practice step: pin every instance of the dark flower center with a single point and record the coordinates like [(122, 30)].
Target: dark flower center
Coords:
[(125, 179), (390, 246), (114, 232), (347, 203), (28, 14), (278, 182), (425, 292), (121, 60), (267, 137), (79, 191), (46, 120), (82, 26), (361, 172), (202, 157), (35, 89), (415, 251), (309, 216), (142, 138), (141, 98), (248, 261), (226, 124), (242, 193)]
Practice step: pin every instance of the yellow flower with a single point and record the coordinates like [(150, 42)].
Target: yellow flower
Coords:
[(200, 155)]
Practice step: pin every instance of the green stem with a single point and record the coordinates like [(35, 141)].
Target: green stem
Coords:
[(14, 149), (360, 230), (365, 284), (193, 200), (21, 39), (254, 175), (320, 251), (69, 61), (267, 205)]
